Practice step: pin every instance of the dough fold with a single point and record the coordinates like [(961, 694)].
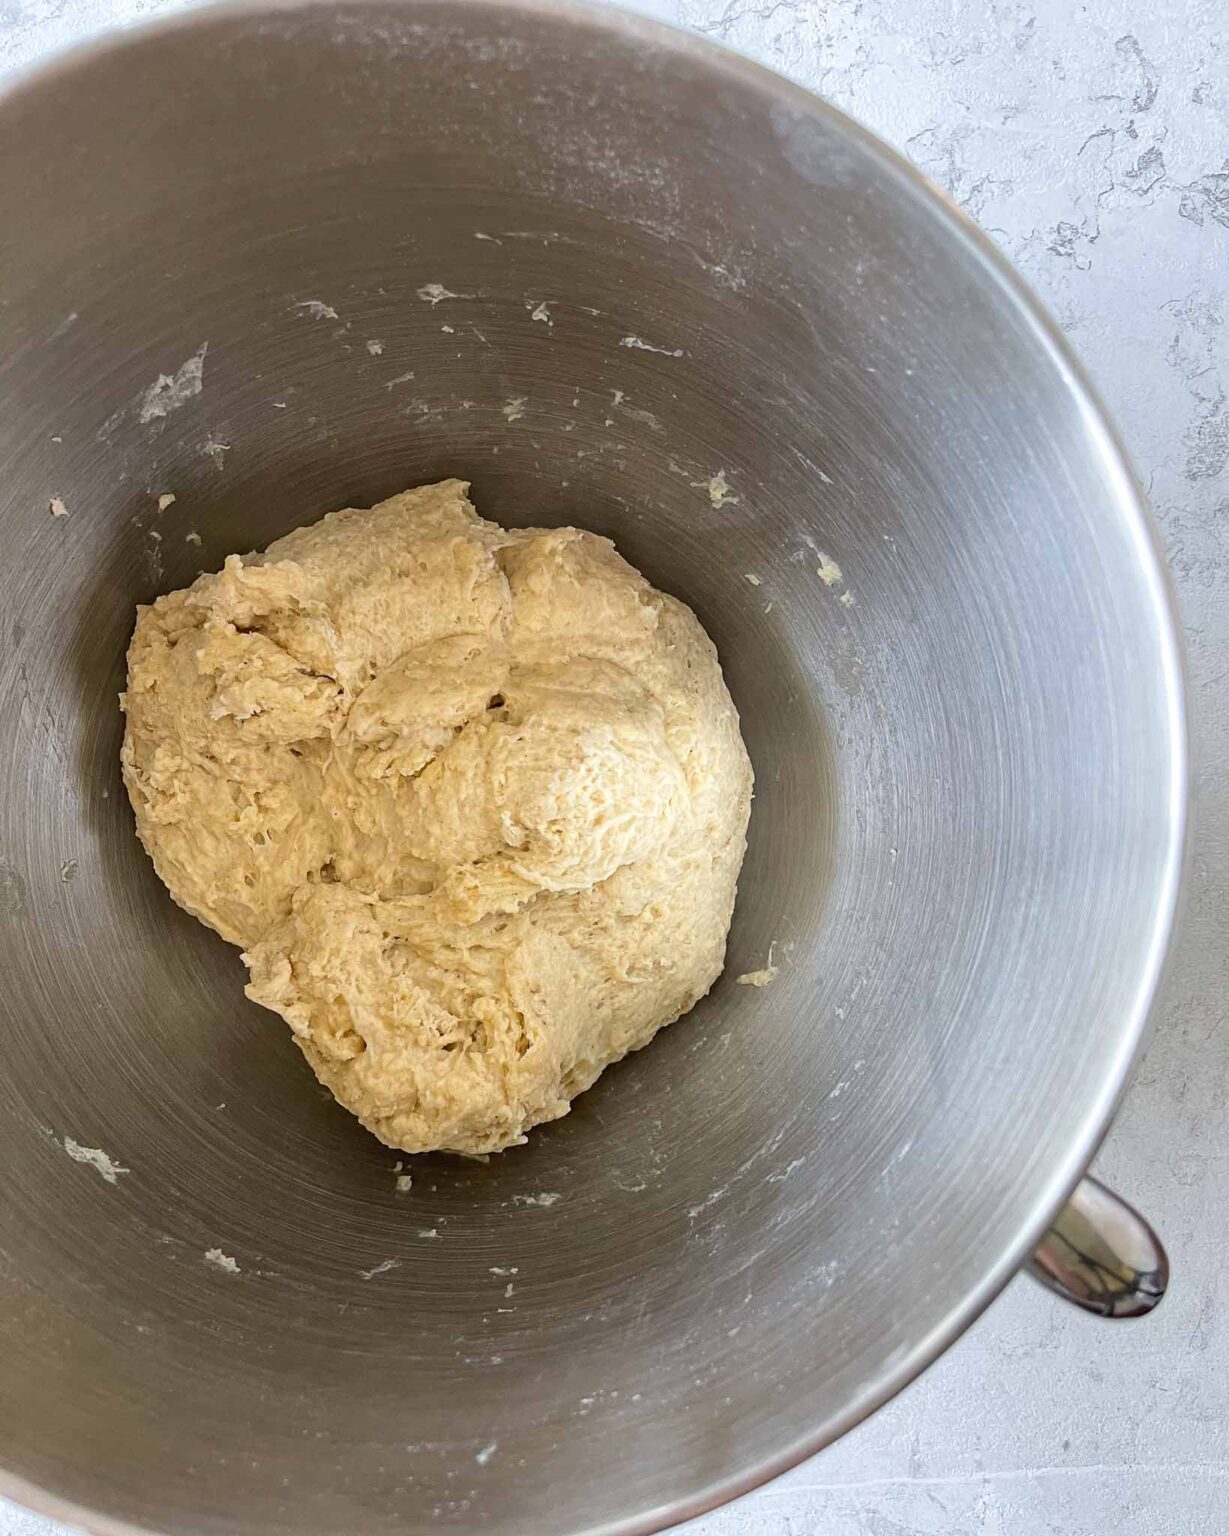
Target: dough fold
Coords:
[(473, 802)]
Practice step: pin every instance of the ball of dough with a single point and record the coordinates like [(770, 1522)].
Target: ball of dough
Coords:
[(472, 800)]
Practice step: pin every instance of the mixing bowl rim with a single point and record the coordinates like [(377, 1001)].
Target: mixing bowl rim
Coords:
[(1129, 498)]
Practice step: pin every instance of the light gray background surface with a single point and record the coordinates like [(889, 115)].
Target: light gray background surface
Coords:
[(1092, 142)]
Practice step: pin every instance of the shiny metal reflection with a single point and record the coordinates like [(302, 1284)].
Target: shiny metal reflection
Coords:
[(1102, 1255)]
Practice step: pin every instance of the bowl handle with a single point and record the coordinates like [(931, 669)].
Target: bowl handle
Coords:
[(1102, 1255)]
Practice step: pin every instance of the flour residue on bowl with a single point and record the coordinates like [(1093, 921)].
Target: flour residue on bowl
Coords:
[(95, 1158), (765, 976), (638, 344), (718, 488), (318, 309), (790, 1168), (619, 402), (171, 390), (383, 1268), (829, 572), (436, 293)]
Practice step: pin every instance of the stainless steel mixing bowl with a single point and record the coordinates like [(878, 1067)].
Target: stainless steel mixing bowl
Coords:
[(279, 259)]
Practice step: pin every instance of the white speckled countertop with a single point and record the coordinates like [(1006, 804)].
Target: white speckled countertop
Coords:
[(1092, 142)]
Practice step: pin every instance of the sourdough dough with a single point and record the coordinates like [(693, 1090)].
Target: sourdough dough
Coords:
[(472, 800)]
